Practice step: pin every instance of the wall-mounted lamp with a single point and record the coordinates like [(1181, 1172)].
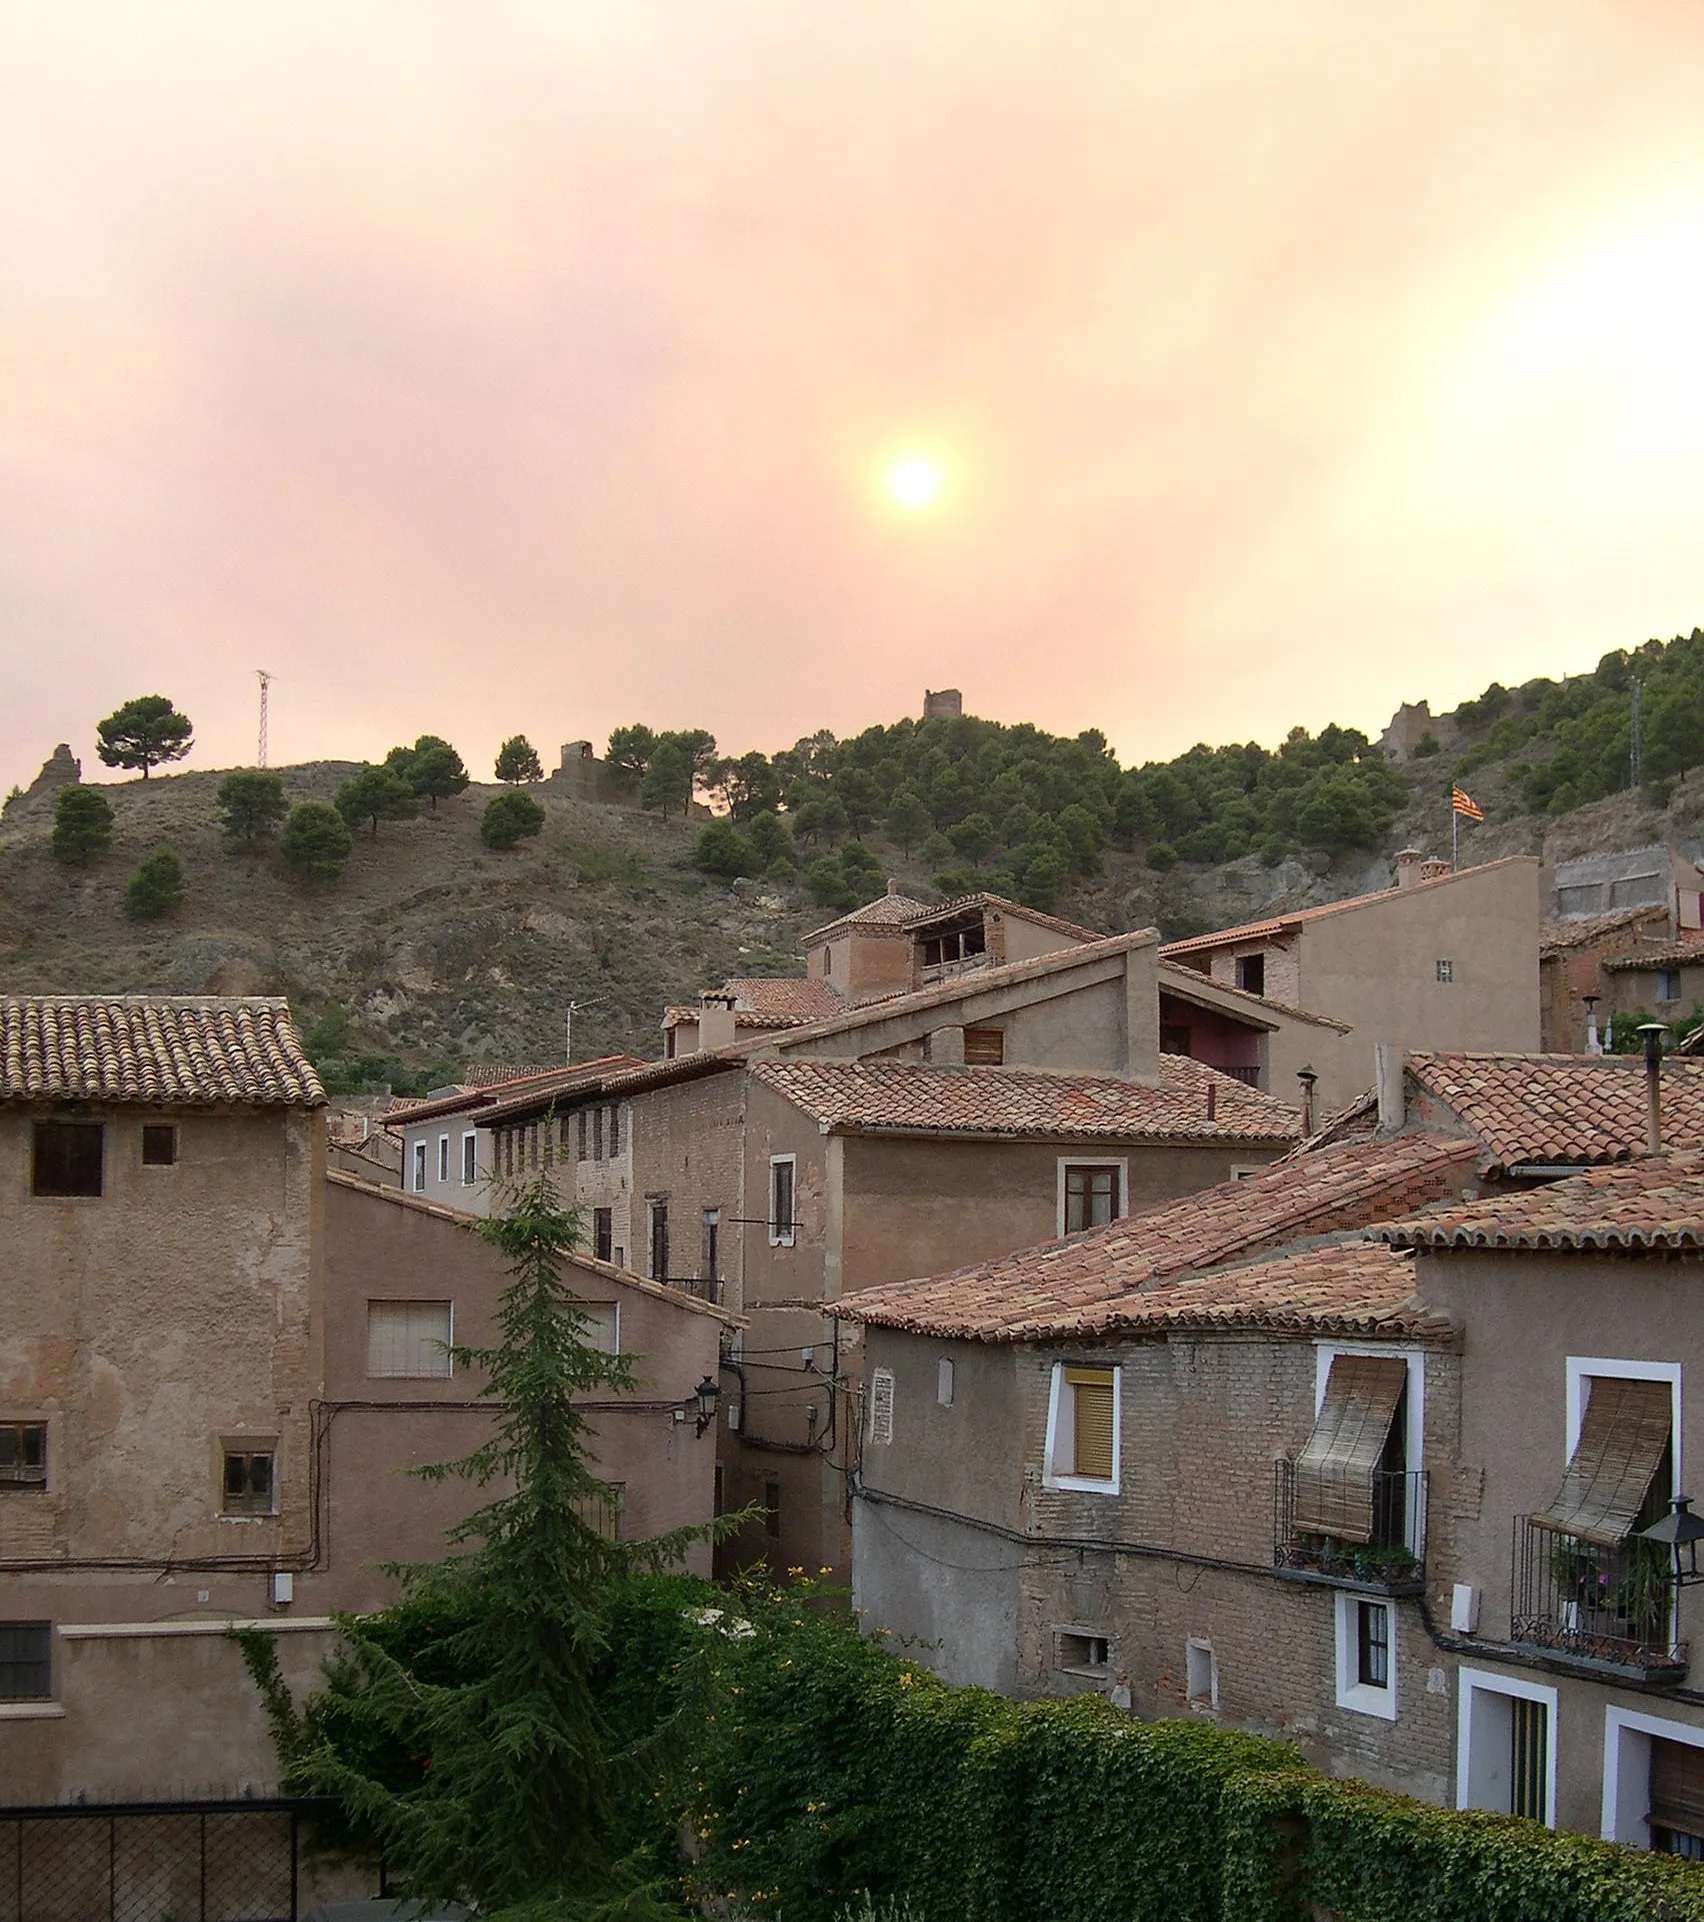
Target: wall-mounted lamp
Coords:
[(704, 1399), (1679, 1532)]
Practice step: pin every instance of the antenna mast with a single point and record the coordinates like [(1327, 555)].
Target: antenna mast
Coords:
[(1636, 756), (265, 683)]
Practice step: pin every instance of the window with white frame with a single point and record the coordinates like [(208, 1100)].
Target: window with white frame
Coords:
[(1366, 1656), (409, 1340), (603, 1325), (1653, 1782), (419, 1182), (1082, 1428), (1356, 1478), (1091, 1193), (470, 1159), (783, 1214), (1506, 1745), (443, 1159)]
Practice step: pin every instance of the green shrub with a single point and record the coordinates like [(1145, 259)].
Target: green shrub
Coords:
[(723, 849), (156, 887), (316, 840), (1161, 856), (251, 804), (510, 818), (82, 824)]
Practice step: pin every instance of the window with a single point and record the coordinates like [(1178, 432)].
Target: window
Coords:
[(881, 1406), (1446, 971), (1668, 984), (248, 1481), (470, 1159), (783, 1223), (601, 1509), (1653, 1782), (1350, 1478), (159, 1144), (26, 1661), (772, 1509), (1081, 1649), (614, 1132), (603, 1233), (1174, 1038), (1677, 1799), (23, 1454), (659, 1240), (603, 1326), (1366, 1656), (67, 1159), (585, 1124), (597, 1134), (984, 1047), (1091, 1193), (419, 1183), (709, 1252), (1082, 1429), (409, 1340), (1505, 1746), (1621, 1419), (1201, 1675), (1251, 973), (443, 1159), (944, 1383)]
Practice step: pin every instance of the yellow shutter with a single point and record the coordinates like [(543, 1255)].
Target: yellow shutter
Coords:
[(1092, 1425)]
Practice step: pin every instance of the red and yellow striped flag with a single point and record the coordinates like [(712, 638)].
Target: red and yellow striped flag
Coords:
[(1461, 802)]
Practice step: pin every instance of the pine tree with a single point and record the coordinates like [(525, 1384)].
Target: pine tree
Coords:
[(82, 824), (461, 1731), (316, 840), (143, 733), (510, 818), (251, 799), (156, 887), (517, 760)]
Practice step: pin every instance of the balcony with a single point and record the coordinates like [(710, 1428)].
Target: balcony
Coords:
[(1393, 1562), (1607, 1609)]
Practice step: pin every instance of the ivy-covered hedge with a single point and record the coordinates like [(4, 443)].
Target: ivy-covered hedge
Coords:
[(807, 1764)]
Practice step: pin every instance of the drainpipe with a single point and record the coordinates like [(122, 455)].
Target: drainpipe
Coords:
[(1651, 1033), (1307, 1078)]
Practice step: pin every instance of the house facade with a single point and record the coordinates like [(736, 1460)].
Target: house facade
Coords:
[(1441, 960)]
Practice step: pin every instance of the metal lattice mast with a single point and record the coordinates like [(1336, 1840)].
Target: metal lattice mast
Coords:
[(265, 683)]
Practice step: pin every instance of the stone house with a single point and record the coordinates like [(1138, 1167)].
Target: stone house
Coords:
[(1576, 995), (1654, 876), (1443, 959), (1226, 1459), (216, 1358), (1662, 982)]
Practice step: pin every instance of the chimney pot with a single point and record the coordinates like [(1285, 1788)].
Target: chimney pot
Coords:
[(1434, 868), (1408, 863)]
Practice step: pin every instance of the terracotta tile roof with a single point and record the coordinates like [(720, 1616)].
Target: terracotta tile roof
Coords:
[(879, 1097), (1337, 1288), (1655, 1204), (641, 1284), (153, 1048), (1672, 954), (539, 1084), (1096, 1282), (1562, 1109), (783, 994), (1000, 905), (889, 910), (1282, 923), (1581, 930)]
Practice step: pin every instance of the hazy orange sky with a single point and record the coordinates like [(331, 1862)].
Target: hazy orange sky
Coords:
[(535, 368)]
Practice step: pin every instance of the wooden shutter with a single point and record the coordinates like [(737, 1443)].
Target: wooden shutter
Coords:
[(881, 1405), (985, 1047), (1092, 1422), (1623, 1436), (1677, 1786), (1334, 1472)]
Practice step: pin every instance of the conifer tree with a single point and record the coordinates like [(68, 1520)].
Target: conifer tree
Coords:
[(461, 1731)]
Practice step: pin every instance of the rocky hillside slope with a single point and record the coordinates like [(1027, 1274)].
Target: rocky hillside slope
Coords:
[(441, 951)]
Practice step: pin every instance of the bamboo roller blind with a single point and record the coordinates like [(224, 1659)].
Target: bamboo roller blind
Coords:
[(1623, 1435), (1334, 1472)]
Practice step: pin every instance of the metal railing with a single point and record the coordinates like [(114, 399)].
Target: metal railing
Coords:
[(1609, 1607), (1249, 1077), (1394, 1560)]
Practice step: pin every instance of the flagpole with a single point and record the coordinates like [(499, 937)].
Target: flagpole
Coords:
[(1455, 839)]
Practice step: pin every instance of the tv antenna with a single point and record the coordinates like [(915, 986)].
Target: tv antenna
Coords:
[(574, 1008), (265, 683)]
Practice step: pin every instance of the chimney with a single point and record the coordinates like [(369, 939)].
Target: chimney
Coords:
[(715, 1021), (893, 885), (1409, 862), (1307, 1078), (1434, 868), (1651, 1033), (1387, 1073), (1212, 1100)]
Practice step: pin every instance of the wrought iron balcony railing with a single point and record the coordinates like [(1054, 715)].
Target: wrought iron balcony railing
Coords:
[(1602, 1607), (1393, 1560)]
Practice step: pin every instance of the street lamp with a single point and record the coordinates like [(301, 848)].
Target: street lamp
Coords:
[(1679, 1532)]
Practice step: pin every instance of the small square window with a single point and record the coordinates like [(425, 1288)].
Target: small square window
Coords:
[(26, 1661), (1082, 1439), (1372, 1645), (159, 1144), (1078, 1650), (1251, 973), (1668, 984), (1366, 1657), (23, 1454), (248, 1481), (67, 1159), (603, 1233), (1446, 971), (409, 1341), (1094, 1195)]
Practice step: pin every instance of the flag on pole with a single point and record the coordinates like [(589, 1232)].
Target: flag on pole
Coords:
[(1461, 802)]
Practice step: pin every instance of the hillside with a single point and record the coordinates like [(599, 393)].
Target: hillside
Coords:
[(443, 954)]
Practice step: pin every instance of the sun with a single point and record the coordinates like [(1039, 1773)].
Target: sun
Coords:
[(914, 481)]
